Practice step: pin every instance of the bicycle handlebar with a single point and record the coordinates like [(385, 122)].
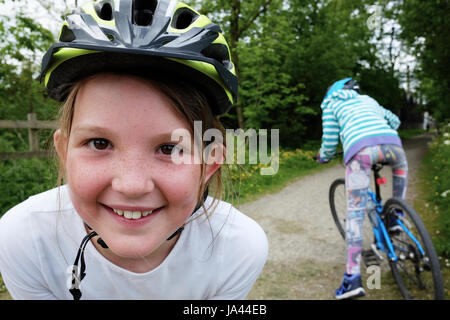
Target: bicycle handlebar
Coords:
[(340, 153)]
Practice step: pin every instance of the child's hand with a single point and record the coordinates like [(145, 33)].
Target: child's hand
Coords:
[(320, 160)]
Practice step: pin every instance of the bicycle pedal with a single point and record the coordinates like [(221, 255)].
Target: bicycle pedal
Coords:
[(426, 265), (370, 258)]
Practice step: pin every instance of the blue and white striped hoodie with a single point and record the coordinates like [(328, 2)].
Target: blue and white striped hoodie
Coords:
[(358, 120)]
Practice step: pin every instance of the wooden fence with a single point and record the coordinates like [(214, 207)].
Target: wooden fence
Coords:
[(33, 125)]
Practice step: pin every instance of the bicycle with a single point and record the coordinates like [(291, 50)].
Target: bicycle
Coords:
[(408, 248)]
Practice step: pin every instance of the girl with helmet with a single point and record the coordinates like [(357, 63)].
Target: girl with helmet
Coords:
[(368, 133), (129, 74)]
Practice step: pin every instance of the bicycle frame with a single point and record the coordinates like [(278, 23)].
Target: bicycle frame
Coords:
[(379, 230)]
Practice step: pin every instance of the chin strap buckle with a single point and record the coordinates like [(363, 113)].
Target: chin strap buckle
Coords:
[(77, 277)]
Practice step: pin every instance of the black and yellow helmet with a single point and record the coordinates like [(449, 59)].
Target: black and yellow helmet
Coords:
[(151, 37)]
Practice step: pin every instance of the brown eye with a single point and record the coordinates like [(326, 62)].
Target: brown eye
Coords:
[(99, 144), (168, 149)]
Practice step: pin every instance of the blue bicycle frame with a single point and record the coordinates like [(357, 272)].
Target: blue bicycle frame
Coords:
[(381, 235)]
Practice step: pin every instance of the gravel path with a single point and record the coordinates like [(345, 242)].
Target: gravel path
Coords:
[(307, 255)]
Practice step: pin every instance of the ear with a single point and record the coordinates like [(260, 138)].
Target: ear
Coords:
[(60, 142), (214, 159)]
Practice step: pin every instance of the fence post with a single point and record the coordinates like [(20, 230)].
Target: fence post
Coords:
[(33, 137)]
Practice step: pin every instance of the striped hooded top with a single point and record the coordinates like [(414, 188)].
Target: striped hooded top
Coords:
[(358, 121)]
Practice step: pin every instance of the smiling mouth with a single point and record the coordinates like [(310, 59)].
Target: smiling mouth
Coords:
[(133, 214)]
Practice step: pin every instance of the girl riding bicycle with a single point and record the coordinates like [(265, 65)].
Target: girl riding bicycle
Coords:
[(131, 73), (368, 135)]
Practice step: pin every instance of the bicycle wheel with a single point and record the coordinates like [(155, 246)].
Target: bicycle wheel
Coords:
[(338, 204), (418, 275)]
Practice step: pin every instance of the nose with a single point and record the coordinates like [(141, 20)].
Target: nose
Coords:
[(133, 176)]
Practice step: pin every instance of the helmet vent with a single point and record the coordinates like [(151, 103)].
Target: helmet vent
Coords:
[(104, 11), (217, 51), (67, 35), (143, 11), (183, 18)]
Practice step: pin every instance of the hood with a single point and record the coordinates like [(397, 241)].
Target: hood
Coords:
[(337, 95)]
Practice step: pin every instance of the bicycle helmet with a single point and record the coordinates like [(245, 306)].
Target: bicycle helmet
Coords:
[(156, 38), (346, 84)]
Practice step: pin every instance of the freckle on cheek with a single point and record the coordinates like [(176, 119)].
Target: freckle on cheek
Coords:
[(83, 181)]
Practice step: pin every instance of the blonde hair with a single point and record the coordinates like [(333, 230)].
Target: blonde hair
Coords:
[(188, 101)]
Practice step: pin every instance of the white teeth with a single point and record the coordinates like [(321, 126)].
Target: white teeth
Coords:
[(128, 214), (136, 214), (132, 215), (146, 213)]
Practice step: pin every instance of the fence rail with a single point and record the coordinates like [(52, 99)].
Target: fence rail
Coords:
[(33, 125), (24, 155)]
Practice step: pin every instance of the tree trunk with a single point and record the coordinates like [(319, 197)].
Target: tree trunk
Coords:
[(239, 108), (234, 38)]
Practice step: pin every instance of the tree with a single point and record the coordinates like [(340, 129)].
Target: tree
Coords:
[(272, 97), (238, 18), (426, 30), (22, 41), (292, 51), (332, 42)]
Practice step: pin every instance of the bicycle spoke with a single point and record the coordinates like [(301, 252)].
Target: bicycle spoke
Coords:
[(416, 274)]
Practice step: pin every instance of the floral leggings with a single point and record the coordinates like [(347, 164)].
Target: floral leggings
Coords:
[(357, 180)]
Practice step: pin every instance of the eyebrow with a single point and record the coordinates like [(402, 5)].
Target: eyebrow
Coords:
[(102, 131), (91, 129)]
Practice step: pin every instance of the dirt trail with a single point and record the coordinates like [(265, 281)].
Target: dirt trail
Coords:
[(306, 253)]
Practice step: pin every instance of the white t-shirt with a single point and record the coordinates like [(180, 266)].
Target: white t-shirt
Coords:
[(40, 237)]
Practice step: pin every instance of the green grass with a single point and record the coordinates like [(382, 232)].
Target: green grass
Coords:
[(434, 204), (4, 294), (435, 177), (409, 133), (23, 178)]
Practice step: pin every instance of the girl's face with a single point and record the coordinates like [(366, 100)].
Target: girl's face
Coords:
[(118, 164)]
